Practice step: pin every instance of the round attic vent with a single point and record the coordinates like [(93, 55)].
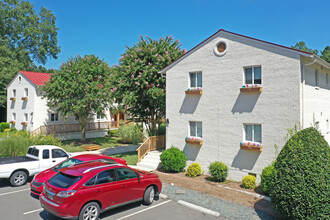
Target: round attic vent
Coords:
[(221, 48)]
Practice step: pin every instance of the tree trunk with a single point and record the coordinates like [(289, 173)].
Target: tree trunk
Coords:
[(83, 123)]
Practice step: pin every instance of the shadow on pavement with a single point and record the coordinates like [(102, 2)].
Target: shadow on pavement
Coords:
[(266, 210)]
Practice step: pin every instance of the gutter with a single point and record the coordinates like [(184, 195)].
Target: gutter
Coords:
[(303, 89)]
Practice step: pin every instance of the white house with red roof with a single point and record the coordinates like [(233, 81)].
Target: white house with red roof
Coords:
[(27, 110), (232, 98)]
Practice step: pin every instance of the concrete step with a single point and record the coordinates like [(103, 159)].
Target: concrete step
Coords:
[(147, 165)]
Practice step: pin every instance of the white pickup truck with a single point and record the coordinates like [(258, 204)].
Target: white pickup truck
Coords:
[(37, 159)]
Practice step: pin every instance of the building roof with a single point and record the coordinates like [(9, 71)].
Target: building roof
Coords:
[(294, 50), (36, 78)]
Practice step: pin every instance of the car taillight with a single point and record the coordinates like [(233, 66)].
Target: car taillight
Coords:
[(65, 194)]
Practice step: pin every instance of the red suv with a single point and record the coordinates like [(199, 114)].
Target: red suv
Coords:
[(87, 189), (37, 183)]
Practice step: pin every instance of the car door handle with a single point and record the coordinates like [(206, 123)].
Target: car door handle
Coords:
[(97, 190), (123, 185), (54, 161)]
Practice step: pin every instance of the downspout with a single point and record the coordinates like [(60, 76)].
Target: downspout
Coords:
[(303, 90)]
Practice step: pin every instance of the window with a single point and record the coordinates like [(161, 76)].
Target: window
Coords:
[(66, 163), (45, 154), (196, 80), (57, 153), (63, 180), (76, 118), (253, 133), (54, 117), (19, 79), (26, 92), (106, 176), (33, 151), (26, 117), (317, 78), (13, 116), (317, 125), (99, 116), (252, 75), (195, 129), (14, 92), (125, 174), (91, 181)]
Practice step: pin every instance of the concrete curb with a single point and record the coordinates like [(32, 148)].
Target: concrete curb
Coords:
[(163, 196), (199, 208), (267, 198)]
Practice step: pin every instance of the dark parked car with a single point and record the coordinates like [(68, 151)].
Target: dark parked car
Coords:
[(87, 189)]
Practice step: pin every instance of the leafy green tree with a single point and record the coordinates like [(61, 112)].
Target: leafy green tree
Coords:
[(79, 89), (302, 46), (139, 86), (24, 36), (325, 54)]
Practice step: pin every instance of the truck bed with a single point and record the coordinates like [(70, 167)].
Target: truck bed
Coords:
[(10, 160)]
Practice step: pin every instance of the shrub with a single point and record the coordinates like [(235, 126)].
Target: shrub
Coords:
[(162, 129), (267, 178), (194, 170), (249, 182), (113, 133), (13, 130), (3, 126), (219, 171), (173, 160), (302, 177), (45, 140), (14, 146), (130, 134)]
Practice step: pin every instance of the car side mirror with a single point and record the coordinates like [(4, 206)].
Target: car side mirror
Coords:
[(139, 178)]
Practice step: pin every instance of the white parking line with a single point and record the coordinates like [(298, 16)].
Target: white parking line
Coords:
[(3, 194), (127, 216), (37, 210)]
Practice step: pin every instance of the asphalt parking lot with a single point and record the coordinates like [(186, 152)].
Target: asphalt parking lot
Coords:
[(17, 203)]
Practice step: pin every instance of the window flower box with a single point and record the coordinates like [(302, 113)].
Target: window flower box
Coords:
[(12, 122), (13, 98), (247, 88), (251, 146), (194, 140), (194, 91), (24, 123), (25, 98)]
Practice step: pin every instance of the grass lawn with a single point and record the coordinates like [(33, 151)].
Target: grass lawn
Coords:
[(104, 142), (130, 157)]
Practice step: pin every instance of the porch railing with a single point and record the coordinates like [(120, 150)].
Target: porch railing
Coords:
[(68, 128), (152, 143)]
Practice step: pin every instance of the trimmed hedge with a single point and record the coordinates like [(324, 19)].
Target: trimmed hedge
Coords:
[(219, 171), (302, 177), (267, 178), (194, 170), (173, 160)]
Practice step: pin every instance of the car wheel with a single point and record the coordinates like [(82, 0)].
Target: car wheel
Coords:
[(18, 178), (149, 195), (90, 211)]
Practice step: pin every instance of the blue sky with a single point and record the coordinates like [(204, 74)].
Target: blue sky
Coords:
[(105, 27)]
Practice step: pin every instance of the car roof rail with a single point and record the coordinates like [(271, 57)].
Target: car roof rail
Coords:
[(99, 167)]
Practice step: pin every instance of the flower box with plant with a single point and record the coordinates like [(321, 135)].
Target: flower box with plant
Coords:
[(13, 98), (194, 91), (12, 122), (24, 123), (194, 140), (25, 98), (254, 88), (249, 145)]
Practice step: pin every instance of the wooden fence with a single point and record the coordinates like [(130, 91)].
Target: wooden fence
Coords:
[(152, 143), (68, 128)]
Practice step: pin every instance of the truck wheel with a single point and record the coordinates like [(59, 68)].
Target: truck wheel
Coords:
[(90, 211), (18, 178), (149, 195)]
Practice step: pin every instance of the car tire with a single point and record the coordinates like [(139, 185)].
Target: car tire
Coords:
[(18, 178), (90, 211), (149, 195)]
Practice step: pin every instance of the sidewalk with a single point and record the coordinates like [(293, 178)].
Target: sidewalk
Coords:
[(110, 151)]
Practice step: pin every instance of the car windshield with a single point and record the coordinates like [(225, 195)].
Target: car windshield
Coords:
[(63, 180), (66, 163)]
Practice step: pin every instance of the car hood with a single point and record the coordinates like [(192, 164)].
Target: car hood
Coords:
[(45, 175)]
